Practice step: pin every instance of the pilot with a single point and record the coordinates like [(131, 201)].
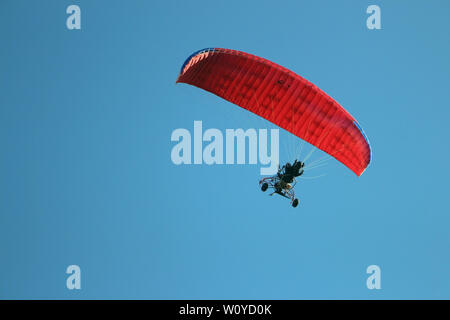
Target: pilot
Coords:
[(292, 171)]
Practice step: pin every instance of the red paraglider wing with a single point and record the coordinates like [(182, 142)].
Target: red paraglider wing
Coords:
[(281, 97)]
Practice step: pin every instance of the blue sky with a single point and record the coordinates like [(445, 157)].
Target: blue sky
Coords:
[(86, 176)]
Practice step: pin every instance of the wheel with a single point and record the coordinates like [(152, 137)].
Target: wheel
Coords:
[(295, 203), (264, 186)]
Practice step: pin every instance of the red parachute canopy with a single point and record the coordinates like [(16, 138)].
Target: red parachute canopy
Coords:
[(281, 97)]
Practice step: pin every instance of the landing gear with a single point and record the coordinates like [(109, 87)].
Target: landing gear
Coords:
[(280, 187)]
